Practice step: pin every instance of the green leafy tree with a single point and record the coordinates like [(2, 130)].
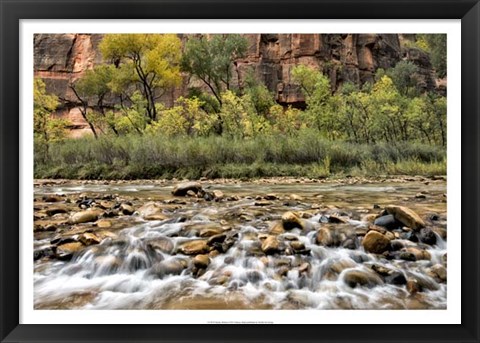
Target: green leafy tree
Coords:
[(91, 91), (404, 76), (211, 59), (46, 127), (151, 62), (436, 46), (262, 99), (318, 97)]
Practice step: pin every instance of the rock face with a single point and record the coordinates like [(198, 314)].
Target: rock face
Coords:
[(62, 58)]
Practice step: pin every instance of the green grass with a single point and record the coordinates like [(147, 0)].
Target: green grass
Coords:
[(309, 155)]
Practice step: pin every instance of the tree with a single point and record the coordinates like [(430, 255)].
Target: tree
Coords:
[(262, 99), (91, 91), (436, 46), (149, 61), (46, 128), (404, 77), (211, 59), (318, 97)]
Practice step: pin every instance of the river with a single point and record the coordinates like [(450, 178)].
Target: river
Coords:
[(140, 247)]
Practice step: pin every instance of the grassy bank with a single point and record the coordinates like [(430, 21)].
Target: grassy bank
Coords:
[(149, 157)]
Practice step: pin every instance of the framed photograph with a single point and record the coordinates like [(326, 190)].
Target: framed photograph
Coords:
[(226, 171)]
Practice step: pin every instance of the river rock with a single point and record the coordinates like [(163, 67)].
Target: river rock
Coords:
[(356, 277), (152, 211), (168, 267), (413, 287), (163, 244), (291, 220), (107, 263), (52, 198), (270, 245), (396, 278), (270, 196), (338, 266), (375, 242), (424, 282), (104, 224), (84, 217), (335, 236), (438, 272), (126, 209), (194, 247), (441, 232), (276, 228), (419, 254), (336, 219), (89, 238), (51, 211), (41, 253), (406, 216), (66, 251), (220, 238), (218, 195), (389, 222), (211, 231), (369, 218), (182, 188), (427, 236), (201, 261)]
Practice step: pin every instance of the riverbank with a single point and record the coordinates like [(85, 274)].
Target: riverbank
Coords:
[(306, 155), (278, 243)]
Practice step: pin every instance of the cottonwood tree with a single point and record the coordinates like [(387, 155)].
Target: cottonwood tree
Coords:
[(91, 91), (150, 62), (211, 59), (46, 127)]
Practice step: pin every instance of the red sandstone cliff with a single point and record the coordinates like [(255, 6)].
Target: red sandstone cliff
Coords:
[(61, 58)]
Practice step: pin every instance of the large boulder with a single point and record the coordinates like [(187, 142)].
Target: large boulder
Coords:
[(375, 242), (407, 216), (182, 188)]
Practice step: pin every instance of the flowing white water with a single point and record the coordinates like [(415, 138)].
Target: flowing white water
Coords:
[(127, 272)]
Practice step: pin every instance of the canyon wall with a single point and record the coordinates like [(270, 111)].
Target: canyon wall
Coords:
[(60, 59)]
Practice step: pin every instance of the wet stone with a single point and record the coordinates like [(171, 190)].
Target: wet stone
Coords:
[(183, 188), (389, 222), (354, 278), (375, 242), (67, 250)]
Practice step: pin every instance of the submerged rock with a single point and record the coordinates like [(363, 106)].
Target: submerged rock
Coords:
[(364, 278), (168, 267), (163, 244)]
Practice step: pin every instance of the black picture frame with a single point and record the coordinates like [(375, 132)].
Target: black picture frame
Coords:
[(12, 11)]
